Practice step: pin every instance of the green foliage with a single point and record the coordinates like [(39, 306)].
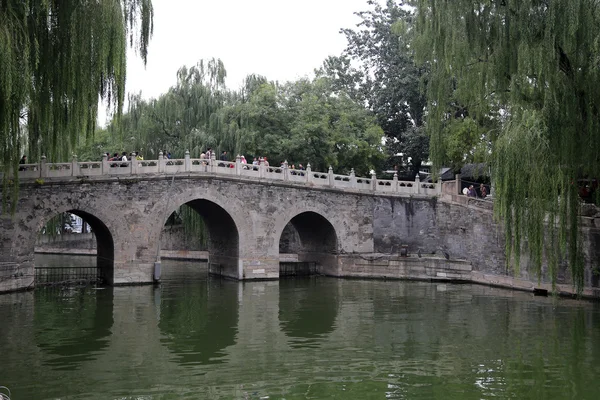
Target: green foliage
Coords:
[(329, 129), (56, 59), (194, 228), (377, 69), (306, 121), (58, 225), (537, 61), (185, 118), (463, 143)]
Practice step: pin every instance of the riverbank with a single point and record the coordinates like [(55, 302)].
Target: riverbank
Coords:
[(431, 268)]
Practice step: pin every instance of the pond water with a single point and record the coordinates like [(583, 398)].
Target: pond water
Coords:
[(199, 337)]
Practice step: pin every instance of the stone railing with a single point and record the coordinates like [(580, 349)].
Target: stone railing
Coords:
[(228, 168)]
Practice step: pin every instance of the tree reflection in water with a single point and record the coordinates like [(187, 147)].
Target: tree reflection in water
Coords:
[(199, 320), (74, 325), (308, 308)]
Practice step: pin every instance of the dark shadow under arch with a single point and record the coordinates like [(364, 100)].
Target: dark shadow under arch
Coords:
[(105, 248), (313, 238), (315, 234), (223, 237)]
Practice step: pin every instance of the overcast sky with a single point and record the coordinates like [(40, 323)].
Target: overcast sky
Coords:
[(280, 39)]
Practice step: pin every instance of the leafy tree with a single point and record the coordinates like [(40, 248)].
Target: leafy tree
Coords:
[(463, 141), (185, 118), (538, 60), (385, 77), (56, 59), (329, 128)]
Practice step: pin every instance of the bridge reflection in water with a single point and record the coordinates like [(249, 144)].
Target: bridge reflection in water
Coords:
[(200, 337), (199, 321), (308, 309), (72, 326)]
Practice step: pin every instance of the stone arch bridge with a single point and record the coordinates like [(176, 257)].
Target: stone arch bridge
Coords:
[(346, 225), (246, 210)]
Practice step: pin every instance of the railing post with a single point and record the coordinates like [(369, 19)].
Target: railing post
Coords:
[(74, 166), (213, 162), (161, 163), (458, 189), (352, 179), (105, 165), (308, 173), (417, 183), (43, 167), (133, 164), (238, 165), (331, 177), (373, 181), (262, 168), (395, 181), (285, 171), (438, 187), (187, 163)]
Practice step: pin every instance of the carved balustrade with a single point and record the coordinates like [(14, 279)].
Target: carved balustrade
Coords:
[(188, 165)]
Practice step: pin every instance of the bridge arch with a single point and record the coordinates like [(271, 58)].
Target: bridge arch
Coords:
[(310, 235), (223, 219), (105, 248)]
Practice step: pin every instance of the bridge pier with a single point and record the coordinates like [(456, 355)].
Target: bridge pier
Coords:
[(15, 275)]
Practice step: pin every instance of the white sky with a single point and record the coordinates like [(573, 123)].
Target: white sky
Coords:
[(280, 39)]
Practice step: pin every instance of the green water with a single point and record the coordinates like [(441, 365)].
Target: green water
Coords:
[(196, 337)]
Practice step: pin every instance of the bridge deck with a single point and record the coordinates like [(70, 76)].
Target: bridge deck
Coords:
[(135, 168)]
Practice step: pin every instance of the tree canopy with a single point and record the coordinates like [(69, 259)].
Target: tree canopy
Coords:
[(57, 58), (377, 68), (537, 62), (305, 121)]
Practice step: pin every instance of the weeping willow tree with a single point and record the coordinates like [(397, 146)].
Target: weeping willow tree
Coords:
[(187, 117), (537, 61), (57, 58)]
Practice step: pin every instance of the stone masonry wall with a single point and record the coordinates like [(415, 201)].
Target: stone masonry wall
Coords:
[(246, 220), (466, 231)]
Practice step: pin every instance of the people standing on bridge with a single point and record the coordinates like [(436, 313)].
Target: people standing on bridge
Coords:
[(471, 192), (482, 191), (22, 161), (223, 157), (124, 158)]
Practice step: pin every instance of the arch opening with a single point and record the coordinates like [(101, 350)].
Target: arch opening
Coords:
[(202, 231), (308, 245), (79, 235)]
